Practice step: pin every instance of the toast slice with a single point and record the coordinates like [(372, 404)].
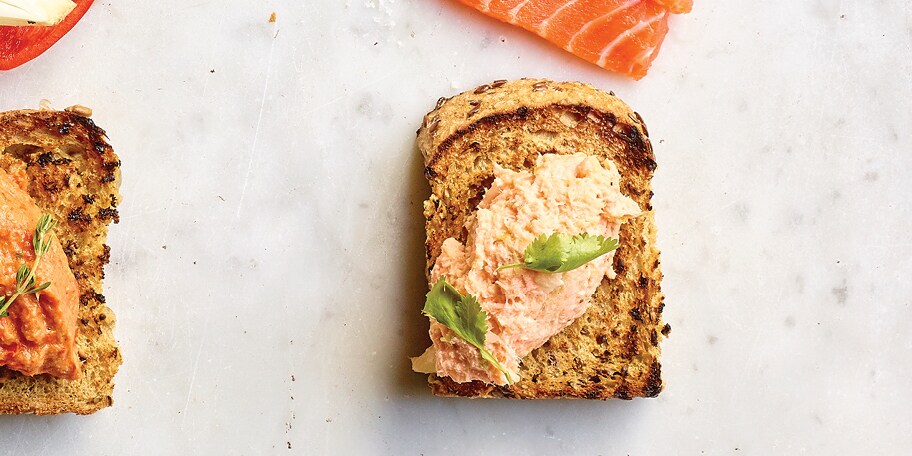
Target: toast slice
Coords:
[(74, 175), (613, 349)]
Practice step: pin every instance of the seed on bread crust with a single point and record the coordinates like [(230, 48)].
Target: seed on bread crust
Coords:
[(80, 109)]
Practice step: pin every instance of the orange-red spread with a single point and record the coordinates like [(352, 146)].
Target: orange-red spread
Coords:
[(39, 335)]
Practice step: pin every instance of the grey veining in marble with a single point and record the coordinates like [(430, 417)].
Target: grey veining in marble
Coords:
[(267, 271)]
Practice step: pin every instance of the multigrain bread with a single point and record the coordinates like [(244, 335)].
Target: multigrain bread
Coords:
[(74, 175), (613, 349)]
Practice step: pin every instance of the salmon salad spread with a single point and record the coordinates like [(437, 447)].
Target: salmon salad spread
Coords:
[(39, 334), (569, 194)]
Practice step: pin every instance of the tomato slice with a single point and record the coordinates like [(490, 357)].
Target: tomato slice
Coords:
[(21, 44)]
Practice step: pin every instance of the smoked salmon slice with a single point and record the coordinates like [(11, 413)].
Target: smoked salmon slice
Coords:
[(619, 35), (678, 6)]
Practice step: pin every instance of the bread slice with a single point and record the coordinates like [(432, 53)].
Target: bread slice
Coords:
[(613, 349), (74, 176)]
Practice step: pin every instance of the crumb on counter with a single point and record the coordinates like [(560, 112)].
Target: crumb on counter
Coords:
[(272, 18)]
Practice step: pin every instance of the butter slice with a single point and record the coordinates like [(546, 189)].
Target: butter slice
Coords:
[(34, 12)]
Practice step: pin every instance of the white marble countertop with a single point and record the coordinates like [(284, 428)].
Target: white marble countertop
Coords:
[(267, 271)]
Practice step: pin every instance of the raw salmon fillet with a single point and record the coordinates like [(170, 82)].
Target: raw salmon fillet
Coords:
[(678, 6), (619, 35)]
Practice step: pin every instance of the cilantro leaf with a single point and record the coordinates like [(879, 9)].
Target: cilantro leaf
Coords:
[(463, 315), (561, 252)]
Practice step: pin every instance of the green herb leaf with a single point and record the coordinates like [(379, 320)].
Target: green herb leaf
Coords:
[(41, 287), (561, 252), (40, 240), (25, 275), (22, 274), (463, 315)]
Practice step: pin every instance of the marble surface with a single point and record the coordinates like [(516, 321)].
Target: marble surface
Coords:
[(267, 271)]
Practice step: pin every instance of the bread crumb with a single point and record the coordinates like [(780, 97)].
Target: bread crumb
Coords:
[(272, 18), (45, 105)]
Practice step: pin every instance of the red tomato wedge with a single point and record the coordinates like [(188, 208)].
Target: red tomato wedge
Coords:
[(21, 44), (623, 36)]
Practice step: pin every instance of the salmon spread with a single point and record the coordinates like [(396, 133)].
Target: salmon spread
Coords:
[(569, 194), (39, 334)]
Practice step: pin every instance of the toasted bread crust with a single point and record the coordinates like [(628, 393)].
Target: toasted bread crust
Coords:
[(74, 175), (613, 349)]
